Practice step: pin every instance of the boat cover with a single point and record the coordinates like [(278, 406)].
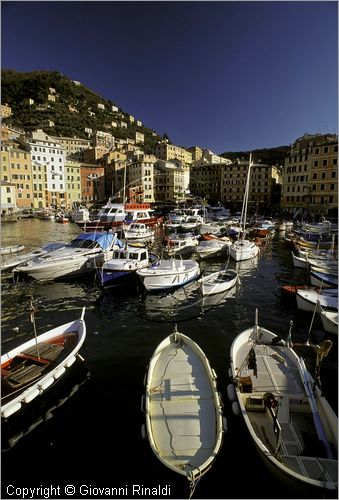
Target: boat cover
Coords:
[(105, 240)]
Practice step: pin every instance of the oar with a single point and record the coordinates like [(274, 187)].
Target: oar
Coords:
[(305, 377), (32, 319)]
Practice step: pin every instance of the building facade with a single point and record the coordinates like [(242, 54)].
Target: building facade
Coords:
[(310, 176)]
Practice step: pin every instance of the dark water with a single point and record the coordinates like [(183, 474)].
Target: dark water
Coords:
[(86, 431)]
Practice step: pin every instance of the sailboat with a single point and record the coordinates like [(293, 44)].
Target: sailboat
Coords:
[(244, 249)]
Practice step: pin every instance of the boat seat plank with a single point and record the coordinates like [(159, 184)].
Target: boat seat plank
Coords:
[(272, 370), (46, 350), (312, 467), (24, 375)]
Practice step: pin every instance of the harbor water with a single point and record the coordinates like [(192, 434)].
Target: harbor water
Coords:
[(83, 438)]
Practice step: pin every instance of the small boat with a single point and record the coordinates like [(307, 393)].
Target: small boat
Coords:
[(121, 268), (290, 421), (218, 282), (327, 298), (182, 244), (329, 320), (184, 421), (61, 218), (11, 249), (213, 247), (79, 257), (168, 274), (318, 278), (32, 367)]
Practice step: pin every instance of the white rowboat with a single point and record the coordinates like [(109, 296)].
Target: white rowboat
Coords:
[(184, 420)]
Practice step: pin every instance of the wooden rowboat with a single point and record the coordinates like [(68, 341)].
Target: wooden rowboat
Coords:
[(31, 368), (184, 420)]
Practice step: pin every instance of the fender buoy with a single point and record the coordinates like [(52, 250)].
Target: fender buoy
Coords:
[(236, 408), (231, 394), (143, 431)]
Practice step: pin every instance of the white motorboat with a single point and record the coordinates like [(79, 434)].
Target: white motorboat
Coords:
[(32, 367), (213, 247), (218, 282), (121, 268), (290, 421), (138, 231), (79, 257), (182, 244), (184, 421), (12, 262), (167, 274)]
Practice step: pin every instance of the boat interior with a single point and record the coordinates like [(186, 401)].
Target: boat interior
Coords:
[(182, 409), (293, 438), (27, 366)]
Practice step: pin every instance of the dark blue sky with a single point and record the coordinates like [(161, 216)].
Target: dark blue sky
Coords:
[(223, 75)]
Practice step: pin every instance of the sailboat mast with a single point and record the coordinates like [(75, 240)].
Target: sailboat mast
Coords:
[(247, 189)]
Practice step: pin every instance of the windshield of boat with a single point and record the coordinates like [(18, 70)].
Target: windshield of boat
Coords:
[(84, 244), (109, 210)]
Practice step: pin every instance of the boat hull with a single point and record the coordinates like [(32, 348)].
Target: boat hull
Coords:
[(13, 401), (243, 250), (169, 275), (183, 408)]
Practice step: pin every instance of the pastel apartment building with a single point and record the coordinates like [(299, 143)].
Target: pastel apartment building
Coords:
[(310, 175), (16, 169), (165, 151)]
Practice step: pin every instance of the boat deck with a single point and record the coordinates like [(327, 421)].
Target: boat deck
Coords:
[(182, 409)]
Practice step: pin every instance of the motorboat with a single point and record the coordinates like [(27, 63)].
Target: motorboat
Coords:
[(113, 215), (168, 274), (183, 410), (286, 414), (214, 247), (138, 231), (31, 368), (121, 268), (219, 281), (79, 257), (10, 263), (182, 244)]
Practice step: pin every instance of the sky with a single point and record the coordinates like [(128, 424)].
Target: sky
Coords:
[(222, 75)]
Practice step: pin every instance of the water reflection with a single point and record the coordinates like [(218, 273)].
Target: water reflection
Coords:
[(44, 408)]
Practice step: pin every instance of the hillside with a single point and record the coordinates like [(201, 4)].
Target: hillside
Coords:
[(268, 156), (18, 88)]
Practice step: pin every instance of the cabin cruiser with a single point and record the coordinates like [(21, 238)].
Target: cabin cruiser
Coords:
[(79, 257)]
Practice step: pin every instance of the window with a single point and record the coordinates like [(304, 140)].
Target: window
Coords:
[(324, 163)]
